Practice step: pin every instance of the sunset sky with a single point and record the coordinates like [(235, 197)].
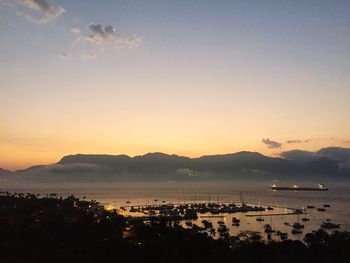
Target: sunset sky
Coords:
[(184, 77)]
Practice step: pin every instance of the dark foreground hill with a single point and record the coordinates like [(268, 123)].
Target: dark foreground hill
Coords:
[(53, 229), (326, 163)]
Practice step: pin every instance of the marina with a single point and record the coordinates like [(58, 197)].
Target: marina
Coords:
[(279, 209), (214, 218)]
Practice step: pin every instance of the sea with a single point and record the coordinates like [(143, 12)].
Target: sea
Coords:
[(114, 195)]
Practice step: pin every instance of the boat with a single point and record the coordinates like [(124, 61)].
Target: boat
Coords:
[(297, 225), (320, 187), (268, 229), (235, 220), (282, 235), (305, 219), (296, 231), (310, 206), (326, 205), (330, 225), (260, 219), (321, 209)]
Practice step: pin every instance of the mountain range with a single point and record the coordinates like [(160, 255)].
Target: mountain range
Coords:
[(331, 162)]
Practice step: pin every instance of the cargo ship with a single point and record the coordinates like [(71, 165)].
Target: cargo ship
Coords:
[(320, 187)]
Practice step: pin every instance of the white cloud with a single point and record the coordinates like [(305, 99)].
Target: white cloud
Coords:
[(41, 11), (6, 3), (75, 30), (108, 36), (88, 56)]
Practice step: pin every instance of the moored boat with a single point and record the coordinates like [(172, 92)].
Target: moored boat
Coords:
[(235, 220), (329, 225), (296, 231), (297, 225)]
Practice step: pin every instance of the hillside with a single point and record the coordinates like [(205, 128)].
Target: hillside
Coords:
[(327, 162)]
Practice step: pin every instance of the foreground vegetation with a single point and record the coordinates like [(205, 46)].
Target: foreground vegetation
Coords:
[(53, 229)]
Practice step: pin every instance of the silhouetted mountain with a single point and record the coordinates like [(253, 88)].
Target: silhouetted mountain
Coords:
[(4, 172), (242, 161), (328, 162), (298, 155), (335, 153), (101, 159)]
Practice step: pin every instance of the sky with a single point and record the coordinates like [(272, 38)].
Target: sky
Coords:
[(184, 77)]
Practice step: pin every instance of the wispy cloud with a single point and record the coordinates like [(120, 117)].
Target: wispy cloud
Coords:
[(65, 56), (39, 11), (293, 141), (88, 56), (271, 144), (108, 36), (75, 30)]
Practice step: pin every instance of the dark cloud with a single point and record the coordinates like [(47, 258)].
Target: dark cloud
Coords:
[(293, 141), (271, 144), (108, 35), (45, 11), (298, 141)]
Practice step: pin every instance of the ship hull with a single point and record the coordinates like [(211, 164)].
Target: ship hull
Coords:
[(298, 188)]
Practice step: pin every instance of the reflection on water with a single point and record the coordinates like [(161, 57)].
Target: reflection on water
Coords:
[(116, 194), (281, 223)]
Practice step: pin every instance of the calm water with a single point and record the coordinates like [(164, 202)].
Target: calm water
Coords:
[(118, 193)]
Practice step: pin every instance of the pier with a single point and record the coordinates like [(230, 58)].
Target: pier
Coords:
[(277, 214)]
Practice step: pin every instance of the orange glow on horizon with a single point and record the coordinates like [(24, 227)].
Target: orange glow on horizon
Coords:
[(14, 157)]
